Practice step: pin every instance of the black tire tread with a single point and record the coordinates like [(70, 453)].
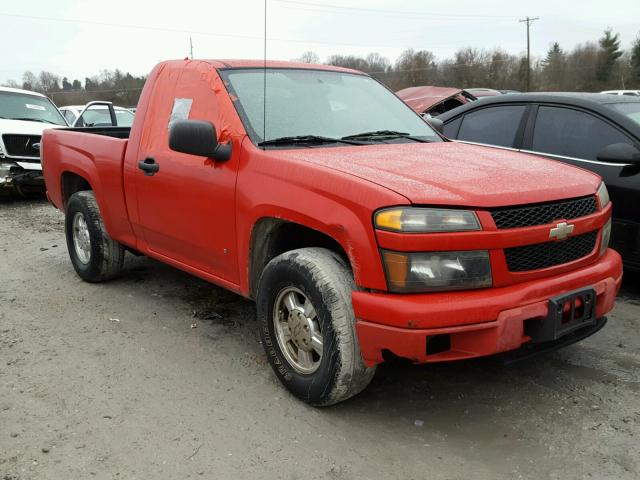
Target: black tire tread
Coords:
[(333, 278), (112, 252)]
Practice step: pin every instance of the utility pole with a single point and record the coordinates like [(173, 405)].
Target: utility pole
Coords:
[(529, 21), (191, 47)]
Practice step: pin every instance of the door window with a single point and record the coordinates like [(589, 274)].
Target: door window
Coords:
[(451, 128), (493, 126), (69, 116), (572, 133)]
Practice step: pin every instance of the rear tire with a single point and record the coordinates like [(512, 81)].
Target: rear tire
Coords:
[(308, 326), (94, 255)]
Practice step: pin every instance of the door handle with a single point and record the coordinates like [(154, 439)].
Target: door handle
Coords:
[(149, 166)]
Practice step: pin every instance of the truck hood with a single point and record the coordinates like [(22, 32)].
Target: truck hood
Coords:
[(22, 127), (455, 174)]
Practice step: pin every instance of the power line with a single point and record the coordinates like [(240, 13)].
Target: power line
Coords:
[(194, 32), (323, 6)]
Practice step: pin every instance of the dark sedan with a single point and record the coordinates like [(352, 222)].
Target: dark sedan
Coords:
[(597, 132)]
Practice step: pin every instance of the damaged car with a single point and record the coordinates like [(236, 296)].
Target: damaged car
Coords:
[(434, 101), (23, 117)]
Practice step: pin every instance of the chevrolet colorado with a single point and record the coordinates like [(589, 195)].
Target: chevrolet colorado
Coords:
[(356, 227)]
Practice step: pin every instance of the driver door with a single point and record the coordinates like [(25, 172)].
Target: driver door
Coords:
[(186, 210)]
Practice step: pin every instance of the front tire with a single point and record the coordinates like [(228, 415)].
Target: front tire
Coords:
[(308, 326), (94, 255)]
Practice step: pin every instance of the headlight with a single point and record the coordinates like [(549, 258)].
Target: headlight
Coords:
[(606, 235), (603, 195), (431, 271), (425, 220)]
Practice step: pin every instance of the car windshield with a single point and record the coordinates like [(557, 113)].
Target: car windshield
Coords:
[(22, 106), (100, 117), (303, 103), (631, 110)]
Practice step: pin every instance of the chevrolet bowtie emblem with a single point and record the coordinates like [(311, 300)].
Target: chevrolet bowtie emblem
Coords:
[(561, 231)]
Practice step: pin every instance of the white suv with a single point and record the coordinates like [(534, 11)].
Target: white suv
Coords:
[(23, 117)]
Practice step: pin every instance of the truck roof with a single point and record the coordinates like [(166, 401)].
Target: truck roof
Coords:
[(231, 63)]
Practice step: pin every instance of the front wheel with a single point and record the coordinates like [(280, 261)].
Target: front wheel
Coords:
[(95, 256), (308, 326)]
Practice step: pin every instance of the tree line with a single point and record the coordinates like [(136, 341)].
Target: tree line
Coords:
[(110, 85), (591, 67)]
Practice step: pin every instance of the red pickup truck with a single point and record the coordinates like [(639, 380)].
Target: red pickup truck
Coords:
[(356, 227)]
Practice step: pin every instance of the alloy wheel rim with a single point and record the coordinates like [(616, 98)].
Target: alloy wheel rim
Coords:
[(81, 238), (298, 330)]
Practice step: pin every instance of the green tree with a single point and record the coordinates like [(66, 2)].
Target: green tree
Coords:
[(609, 54), (635, 62), (554, 68)]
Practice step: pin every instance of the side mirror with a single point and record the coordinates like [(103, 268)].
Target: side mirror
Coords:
[(198, 137), (437, 124), (619, 153)]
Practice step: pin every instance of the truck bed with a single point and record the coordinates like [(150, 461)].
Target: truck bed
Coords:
[(95, 154), (115, 132)]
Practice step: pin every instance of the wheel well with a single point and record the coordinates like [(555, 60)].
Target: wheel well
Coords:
[(271, 237), (72, 183)]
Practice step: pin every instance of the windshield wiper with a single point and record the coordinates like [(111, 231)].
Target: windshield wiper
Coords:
[(42, 120), (382, 134), (306, 139)]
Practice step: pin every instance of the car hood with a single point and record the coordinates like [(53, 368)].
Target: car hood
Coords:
[(456, 174), (21, 127)]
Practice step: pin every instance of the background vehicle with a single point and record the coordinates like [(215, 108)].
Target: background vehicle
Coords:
[(23, 117), (598, 132), (434, 101), (630, 93), (96, 114), (321, 218)]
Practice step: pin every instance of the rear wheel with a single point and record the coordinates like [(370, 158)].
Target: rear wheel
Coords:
[(308, 326), (94, 255)]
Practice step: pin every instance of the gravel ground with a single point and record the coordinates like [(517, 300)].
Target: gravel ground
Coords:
[(161, 375)]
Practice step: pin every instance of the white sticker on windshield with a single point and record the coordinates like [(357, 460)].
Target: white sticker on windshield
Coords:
[(34, 107), (180, 111)]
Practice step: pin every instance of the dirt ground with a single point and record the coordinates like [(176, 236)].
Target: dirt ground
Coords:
[(159, 375)]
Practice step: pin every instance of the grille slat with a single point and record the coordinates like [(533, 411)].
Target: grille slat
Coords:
[(530, 216), (550, 254), (21, 145)]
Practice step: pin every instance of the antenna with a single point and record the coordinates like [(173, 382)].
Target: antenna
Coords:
[(191, 47), (264, 81)]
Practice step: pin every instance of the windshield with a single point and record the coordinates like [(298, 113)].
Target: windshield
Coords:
[(321, 103), (21, 106), (631, 110)]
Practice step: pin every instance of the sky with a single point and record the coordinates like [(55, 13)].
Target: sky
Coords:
[(79, 38)]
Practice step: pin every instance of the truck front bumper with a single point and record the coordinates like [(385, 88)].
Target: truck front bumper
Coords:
[(436, 327), (21, 177)]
